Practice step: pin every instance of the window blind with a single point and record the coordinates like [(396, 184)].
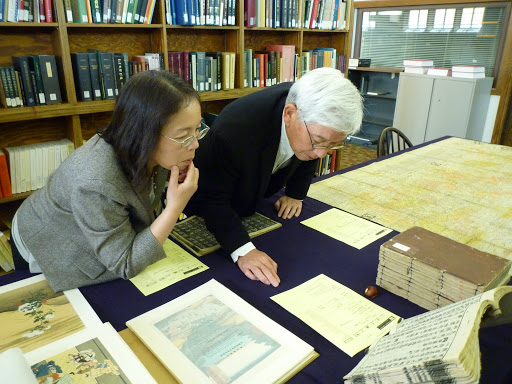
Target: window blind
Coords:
[(462, 34)]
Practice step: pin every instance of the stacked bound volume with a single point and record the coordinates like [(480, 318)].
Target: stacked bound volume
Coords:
[(433, 271), (418, 66), (468, 71), (439, 346)]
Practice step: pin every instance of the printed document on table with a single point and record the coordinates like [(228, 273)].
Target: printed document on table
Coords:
[(178, 265), (345, 318), (347, 228)]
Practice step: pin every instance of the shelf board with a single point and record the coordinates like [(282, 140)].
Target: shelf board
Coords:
[(98, 106), (385, 96), (377, 121), (271, 29), (107, 25), (208, 27), (324, 30), (377, 69), (24, 24), (17, 196)]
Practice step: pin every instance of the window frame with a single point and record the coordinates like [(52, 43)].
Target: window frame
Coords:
[(358, 23)]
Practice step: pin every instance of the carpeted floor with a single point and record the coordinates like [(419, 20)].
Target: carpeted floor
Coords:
[(352, 154)]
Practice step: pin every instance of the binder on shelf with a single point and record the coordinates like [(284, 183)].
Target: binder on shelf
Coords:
[(50, 79), (82, 76)]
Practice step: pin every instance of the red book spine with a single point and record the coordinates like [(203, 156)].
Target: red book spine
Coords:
[(333, 161), (250, 13), (21, 7), (314, 11), (42, 16), (48, 11), (5, 181)]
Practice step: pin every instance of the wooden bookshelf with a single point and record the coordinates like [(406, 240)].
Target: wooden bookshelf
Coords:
[(77, 121)]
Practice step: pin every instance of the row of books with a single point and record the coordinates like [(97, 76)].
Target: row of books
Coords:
[(32, 80), (426, 67), (280, 63), (34, 11), (206, 71), (30, 165), (110, 11), (200, 12), (101, 75), (271, 13), (325, 14), (318, 14), (326, 164)]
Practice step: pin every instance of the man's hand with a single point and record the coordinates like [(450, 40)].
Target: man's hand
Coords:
[(287, 207), (257, 265)]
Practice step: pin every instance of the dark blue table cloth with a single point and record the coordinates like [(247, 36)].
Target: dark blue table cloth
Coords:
[(301, 253)]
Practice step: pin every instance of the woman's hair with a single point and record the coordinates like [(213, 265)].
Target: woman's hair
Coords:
[(143, 108), (325, 97)]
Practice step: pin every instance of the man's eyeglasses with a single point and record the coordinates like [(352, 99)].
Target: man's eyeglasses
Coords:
[(318, 146), (186, 142)]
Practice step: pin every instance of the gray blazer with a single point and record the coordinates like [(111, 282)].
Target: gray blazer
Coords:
[(88, 225)]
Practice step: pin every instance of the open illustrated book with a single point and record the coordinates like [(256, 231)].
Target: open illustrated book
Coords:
[(210, 335), (438, 346), (193, 235)]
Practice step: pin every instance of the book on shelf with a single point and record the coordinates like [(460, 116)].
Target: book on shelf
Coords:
[(432, 270), (418, 63), (21, 65), (243, 345), (438, 346), (50, 79), (439, 71), (193, 235), (5, 181), (82, 76), (30, 165)]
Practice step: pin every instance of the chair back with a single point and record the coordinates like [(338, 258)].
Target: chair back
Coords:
[(392, 140)]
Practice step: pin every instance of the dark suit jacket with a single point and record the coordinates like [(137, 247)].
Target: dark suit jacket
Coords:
[(235, 162)]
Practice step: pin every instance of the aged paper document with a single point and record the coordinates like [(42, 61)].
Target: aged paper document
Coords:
[(345, 318), (347, 228), (458, 188), (178, 265), (437, 346)]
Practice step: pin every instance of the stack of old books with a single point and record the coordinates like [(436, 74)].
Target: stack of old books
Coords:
[(433, 271)]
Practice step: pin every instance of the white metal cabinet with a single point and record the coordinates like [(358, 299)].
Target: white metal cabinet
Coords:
[(429, 107)]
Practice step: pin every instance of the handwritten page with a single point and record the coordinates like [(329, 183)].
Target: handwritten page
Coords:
[(347, 228), (178, 265), (345, 318)]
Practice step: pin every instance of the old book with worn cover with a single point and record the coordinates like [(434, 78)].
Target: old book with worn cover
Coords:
[(211, 335), (432, 270), (194, 236), (439, 346)]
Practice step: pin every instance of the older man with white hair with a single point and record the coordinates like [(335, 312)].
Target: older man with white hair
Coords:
[(265, 141)]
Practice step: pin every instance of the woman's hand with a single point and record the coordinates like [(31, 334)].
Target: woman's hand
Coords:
[(178, 194)]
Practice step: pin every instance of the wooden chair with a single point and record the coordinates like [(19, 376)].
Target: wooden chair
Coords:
[(392, 140)]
